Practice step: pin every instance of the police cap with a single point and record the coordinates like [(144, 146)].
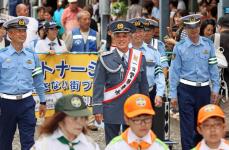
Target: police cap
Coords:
[(51, 25), (18, 23), (2, 21), (150, 24), (191, 21), (121, 26), (138, 22)]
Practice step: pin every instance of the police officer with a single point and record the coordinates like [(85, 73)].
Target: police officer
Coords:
[(20, 72), (119, 74), (153, 64), (193, 67), (150, 26), (154, 72)]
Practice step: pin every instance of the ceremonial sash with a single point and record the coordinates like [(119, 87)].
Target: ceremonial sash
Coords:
[(132, 72)]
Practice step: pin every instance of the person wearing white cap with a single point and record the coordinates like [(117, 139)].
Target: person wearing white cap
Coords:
[(20, 74), (193, 68), (69, 17)]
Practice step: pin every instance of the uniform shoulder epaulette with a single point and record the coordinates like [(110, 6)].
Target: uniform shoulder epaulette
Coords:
[(180, 42), (29, 50), (151, 47), (105, 53), (207, 40), (3, 49), (160, 42)]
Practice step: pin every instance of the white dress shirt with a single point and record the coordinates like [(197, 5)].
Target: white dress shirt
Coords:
[(43, 46), (31, 31), (121, 54), (2, 43), (51, 142)]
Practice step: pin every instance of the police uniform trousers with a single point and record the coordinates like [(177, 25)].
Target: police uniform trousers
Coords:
[(113, 130), (158, 118), (190, 100), (15, 113)]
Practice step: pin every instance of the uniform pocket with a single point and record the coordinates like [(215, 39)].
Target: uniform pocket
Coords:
[(204, 56), (29, 64), (8, 64)]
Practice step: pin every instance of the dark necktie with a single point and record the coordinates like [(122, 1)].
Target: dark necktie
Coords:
[(51, 44), (65, 141), (124, 59)]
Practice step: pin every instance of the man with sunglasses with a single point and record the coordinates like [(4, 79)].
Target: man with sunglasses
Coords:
[(193, 67), (138, 113)]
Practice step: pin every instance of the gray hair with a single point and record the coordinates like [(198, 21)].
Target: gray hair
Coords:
[(81, 13)]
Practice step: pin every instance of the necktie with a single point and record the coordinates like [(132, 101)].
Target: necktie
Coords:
[(140, 146), (51, 44), (124, 59), (65, 141)]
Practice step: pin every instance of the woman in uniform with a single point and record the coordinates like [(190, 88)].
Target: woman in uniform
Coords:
[(51, 43)]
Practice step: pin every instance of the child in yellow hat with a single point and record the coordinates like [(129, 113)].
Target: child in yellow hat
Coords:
[(212, 126), (138, 115)]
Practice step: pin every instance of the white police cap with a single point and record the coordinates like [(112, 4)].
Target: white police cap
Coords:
[(18, 23), (191, 21)]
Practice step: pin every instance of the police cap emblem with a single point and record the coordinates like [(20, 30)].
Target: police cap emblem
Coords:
[(120, 26), (141, 102), (21, 22), (192, 19), (76, 102), (137, 23), (146, 23)]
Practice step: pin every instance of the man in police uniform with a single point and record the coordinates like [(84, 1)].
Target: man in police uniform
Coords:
[(20, 72), (155, 77), (156, 44), (193, 66), (119, 74)]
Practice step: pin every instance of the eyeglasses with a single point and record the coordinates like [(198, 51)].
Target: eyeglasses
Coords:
[(140, 121), (217, 125)]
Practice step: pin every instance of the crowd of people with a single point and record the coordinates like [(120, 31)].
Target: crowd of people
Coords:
[(132, 73)]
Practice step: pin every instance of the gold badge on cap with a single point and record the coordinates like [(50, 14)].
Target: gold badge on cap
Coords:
[(192, 19), (76, 102), (141, 102), (120, 26), (209, 108), (21, 22), (29, 61), (137, 23), (146, 23)]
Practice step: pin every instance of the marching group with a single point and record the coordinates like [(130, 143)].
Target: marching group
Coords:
[(129, 83)]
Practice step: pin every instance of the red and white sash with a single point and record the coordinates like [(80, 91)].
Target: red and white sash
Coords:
[(134, 66)]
